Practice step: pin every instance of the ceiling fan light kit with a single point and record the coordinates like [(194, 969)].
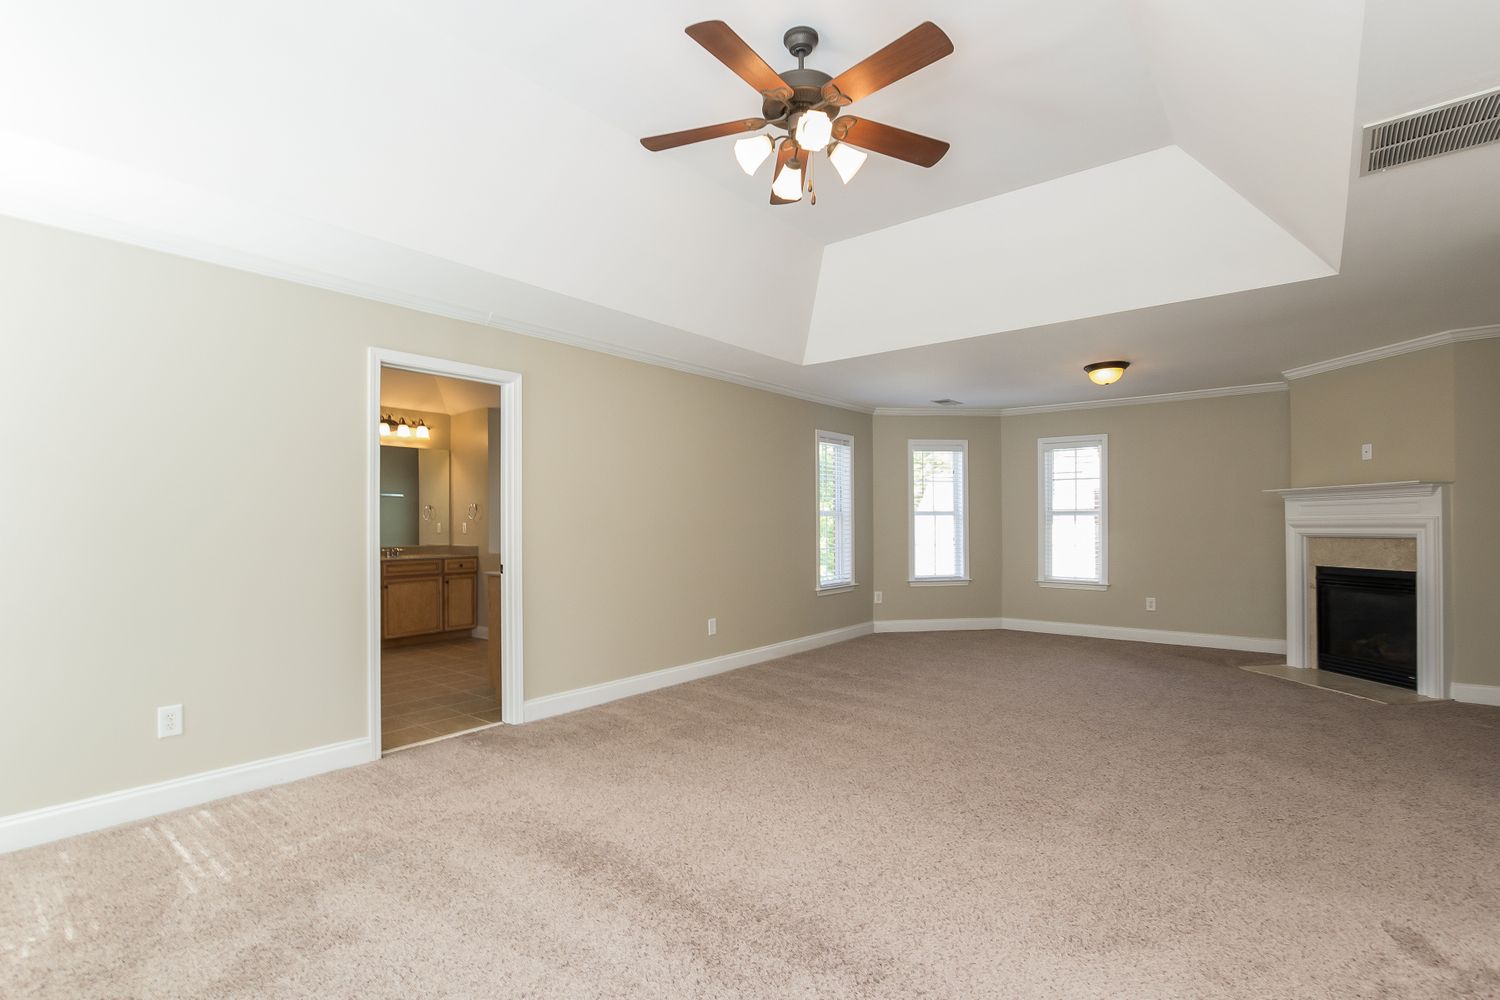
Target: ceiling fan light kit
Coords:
[(806, 104)]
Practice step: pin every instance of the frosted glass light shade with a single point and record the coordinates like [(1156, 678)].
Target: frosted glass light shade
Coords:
[(1106, 372), (846, 160), (788, 183), (422, 432), (752, 152), (403, 430), (814, 129), (385, 428)]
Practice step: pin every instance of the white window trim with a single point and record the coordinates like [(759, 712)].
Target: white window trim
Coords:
[(912, 447), (853, 581), (1062, 583)]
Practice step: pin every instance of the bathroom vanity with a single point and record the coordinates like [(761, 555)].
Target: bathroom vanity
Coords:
[(428, 592)]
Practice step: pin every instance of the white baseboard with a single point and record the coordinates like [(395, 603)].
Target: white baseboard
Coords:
[(938, 624), (1475, 694), (38, 826), (599, 694), (1252, 644)]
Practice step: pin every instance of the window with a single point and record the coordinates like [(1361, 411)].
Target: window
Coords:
[(1073, 473), (938, 485), (835, 510)]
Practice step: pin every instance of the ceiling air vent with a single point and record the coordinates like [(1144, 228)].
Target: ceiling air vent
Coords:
[(1447, 128), (947, 402)]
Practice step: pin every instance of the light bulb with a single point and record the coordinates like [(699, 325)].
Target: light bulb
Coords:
[(814, 129), (846, 160), (385, 428), (423, 432), (403, 429), (752, 152), (1106, 372), (788, 183)]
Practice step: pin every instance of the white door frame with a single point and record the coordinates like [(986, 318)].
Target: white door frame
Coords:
[(512, 687)]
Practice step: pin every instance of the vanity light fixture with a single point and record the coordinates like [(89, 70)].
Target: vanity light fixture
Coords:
[(398, 426), (1106, 372)]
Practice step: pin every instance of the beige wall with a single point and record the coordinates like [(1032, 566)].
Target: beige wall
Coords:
[(1188, 521), (653, 500), (1401, 405), (471, 463), (901, 599), (1475, 532)]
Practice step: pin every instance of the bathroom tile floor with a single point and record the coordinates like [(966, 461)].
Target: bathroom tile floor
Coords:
[(435, 689)]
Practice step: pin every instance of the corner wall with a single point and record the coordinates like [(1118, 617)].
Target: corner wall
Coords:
[(980, 598), (1189, 523), (225, 563), (1475, 531)]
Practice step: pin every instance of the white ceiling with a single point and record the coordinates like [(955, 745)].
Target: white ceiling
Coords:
[(481, 160)]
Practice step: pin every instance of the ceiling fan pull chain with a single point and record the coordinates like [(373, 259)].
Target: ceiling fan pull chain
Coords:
[(812, 195)]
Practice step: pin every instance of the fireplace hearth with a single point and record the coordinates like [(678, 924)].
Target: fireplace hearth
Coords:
[(1367, 624)]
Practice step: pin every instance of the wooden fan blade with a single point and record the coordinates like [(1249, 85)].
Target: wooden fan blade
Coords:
[(657, 143), (730, 49), (921, 46), (888, 139), (783, 153)]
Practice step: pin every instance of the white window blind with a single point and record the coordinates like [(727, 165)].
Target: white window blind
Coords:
[(1072, 476), (835, 510), (939, 495)]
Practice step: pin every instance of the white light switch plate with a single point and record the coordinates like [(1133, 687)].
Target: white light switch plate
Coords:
[(879, 597), (1150, 604), (713, 626)]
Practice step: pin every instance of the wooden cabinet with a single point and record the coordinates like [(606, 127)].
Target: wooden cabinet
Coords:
[(411, 607), (460, 601), (431, 598)]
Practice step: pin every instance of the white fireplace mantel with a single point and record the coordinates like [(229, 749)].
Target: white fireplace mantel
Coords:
[(1410, 509)]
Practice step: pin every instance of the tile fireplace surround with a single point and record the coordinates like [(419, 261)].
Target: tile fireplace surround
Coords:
[(1370, 511)]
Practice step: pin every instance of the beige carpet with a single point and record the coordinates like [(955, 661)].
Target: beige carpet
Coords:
[(941, 815)]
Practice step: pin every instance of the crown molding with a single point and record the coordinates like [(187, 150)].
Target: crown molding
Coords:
[(938, 411), (1087, 404), (1431, 340)]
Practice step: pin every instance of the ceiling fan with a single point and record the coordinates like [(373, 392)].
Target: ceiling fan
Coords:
[(807, 105)]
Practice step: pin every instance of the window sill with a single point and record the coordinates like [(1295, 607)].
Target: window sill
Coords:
[(956, 581), (1061, 585), (841, 588)]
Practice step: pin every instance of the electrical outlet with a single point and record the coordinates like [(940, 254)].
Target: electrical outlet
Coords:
[(1366, 452), (713, 626), (1150, 604), (879, 597), (168, 721)]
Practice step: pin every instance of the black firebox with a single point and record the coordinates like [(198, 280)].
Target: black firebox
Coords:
[(1367, 624)]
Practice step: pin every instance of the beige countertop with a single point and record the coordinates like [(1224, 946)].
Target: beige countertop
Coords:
[(434, 552)]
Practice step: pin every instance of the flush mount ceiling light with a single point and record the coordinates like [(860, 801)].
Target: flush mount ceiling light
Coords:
[(805, 104), (1106, 372)]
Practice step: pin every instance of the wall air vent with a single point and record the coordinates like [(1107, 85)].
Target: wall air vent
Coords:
[(1447, 128), (947, 402)]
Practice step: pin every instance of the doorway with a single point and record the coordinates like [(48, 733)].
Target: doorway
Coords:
[(444, 553)]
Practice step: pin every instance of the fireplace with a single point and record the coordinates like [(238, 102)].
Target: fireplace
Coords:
[(1367, 624)]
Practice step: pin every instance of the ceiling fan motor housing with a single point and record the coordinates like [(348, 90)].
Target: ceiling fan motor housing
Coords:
[(806, 84)]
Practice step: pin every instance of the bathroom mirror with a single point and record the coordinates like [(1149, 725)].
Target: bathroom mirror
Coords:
[(414, 492)]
